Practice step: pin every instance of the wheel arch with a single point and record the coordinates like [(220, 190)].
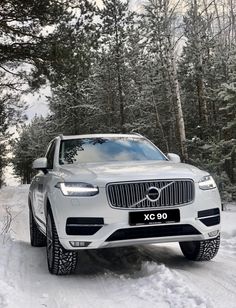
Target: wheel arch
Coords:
[(29, 201), (48, 207)]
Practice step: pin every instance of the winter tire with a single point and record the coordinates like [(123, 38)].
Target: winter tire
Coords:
[(201, 250), (60, 261), (37, 238)]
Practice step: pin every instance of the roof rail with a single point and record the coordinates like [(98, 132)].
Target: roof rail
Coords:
[(61, 136), (136, 133)]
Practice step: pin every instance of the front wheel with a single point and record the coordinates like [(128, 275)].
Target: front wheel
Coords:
[(60, 261), (200, 250)]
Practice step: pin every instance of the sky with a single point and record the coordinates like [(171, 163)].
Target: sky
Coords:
[(37, 103)]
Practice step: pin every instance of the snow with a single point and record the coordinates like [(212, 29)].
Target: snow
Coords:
[(133, 277), (9, 177)]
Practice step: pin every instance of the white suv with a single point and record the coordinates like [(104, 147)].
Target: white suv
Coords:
[(107, 190)]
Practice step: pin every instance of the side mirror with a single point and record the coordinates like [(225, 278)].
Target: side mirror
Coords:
[(41, 164), (174, 157)]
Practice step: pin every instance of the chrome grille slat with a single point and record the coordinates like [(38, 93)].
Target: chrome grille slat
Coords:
[(165, 196), (132, 193), (176, 193), (123, 201), (171, 194), (136, 189), (127, 194), (162, 184), (112, 196), (118, 195), (124, 195), (184, 189), (188, 195)]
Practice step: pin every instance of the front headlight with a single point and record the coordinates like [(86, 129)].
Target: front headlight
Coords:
[(78, 189), (207, 182)]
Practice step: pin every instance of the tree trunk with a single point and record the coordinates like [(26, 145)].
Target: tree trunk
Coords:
[(119, 82), (202, 104), (232, 20), (158, 123), (179, 113)]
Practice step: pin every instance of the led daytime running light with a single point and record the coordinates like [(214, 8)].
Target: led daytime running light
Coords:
[(77, 189)]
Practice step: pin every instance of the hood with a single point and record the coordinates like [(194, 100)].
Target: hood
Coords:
[(102, 173)]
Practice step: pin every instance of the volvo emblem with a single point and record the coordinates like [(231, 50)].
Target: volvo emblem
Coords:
[(153, 194)]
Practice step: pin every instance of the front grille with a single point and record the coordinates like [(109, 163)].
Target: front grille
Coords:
[(133, 194), (150, 232)]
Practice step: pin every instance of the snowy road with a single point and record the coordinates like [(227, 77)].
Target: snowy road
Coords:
[(143, 276)]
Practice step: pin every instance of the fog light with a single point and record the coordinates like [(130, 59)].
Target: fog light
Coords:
[(79, 244), (213, 233)]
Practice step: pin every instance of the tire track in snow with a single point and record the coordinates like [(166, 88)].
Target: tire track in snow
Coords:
[(215, 280)]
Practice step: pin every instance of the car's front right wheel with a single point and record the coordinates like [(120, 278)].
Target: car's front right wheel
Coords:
[(60, 261), (200, 250)]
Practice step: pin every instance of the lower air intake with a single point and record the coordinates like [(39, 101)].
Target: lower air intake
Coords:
[(150, 232)]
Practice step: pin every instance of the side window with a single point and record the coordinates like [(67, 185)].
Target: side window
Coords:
[(50, 154)]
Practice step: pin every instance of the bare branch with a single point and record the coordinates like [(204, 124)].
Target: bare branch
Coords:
[(172, 11), (206, 7), (177, 41), (10, 72), (229, 25)]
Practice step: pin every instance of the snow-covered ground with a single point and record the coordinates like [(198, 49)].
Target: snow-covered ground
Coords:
[(141, 276)]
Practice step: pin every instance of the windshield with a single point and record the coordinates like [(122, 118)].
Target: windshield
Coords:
[(89, 150)]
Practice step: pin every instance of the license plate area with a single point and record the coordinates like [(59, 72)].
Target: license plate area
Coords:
[(154, 217)]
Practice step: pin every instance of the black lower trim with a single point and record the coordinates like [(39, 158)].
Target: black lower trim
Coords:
[(149, 232), (211, 221), (83, 225), (85, 220), (210, 217), (82, 230), (210, 212)]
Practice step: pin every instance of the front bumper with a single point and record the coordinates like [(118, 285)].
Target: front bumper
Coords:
[(114, 229)]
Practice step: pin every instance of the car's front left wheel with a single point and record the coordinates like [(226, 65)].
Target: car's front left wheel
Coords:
[(200, 250), (60, 261)]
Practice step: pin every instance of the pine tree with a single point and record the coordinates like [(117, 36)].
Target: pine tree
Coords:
[(73, 52), (159, 17), (31, 144), (116, 20), (24, 49)]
